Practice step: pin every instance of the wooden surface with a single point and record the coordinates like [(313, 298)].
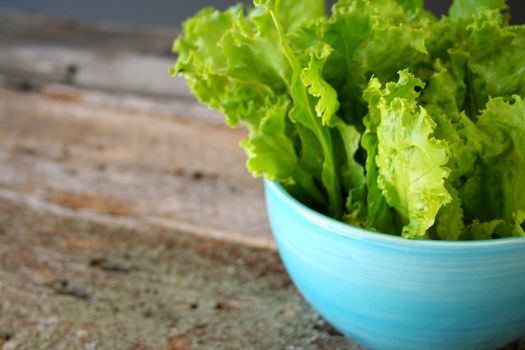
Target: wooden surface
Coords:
[(119, 139), (70, 283), (114, 187), (79, 158), (127, 219), (96, 56)]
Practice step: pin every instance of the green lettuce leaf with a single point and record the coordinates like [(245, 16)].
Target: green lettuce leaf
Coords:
[(449, 219), (307, 184), (468, 8), (269, 140), (238, 78), (302, 87), (495, 229), (293, 13), (380, 216), (491, 194), (364, 33), (352, 174), (443, 97), (496, 56), (312, 78), (411, 162), (380, 114), (242, 82), (503, 159), (411, 5)]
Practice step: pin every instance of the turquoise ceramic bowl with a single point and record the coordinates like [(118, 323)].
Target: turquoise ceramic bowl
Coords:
[(386, 292)]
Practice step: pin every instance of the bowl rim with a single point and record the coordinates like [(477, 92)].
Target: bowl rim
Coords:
[(354, 232)]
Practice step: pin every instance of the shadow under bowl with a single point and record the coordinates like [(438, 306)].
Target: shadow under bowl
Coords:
[(387, 292)]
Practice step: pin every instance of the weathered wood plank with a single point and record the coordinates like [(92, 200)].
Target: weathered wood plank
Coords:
[(114, 162), (110, 70), (19, 27), (98, 195), (72, 284), (37, 50)]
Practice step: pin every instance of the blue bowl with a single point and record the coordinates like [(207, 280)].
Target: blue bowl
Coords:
[(387, 292)]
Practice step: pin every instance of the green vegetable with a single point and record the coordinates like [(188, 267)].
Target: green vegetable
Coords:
[(380, 115), (411, 163)]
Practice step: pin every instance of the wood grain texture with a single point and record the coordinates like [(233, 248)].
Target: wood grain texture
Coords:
[(20, 27), (123, 203), (92, 125), (37, 50), (69, 283), (117, 163)]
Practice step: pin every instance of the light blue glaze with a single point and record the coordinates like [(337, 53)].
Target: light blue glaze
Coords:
[(387, 292)]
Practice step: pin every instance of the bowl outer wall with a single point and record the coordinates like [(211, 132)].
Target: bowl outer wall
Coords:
[(387, 292)]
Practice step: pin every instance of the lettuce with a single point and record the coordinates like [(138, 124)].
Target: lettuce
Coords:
[(380, 114), (411, 162)]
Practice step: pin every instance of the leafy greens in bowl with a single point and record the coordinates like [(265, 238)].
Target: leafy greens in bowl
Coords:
[(380, 115)]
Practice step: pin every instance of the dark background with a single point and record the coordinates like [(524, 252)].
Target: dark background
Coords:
[(168, 12)]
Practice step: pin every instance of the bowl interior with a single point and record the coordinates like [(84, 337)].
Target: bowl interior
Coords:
[(333, 226)]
